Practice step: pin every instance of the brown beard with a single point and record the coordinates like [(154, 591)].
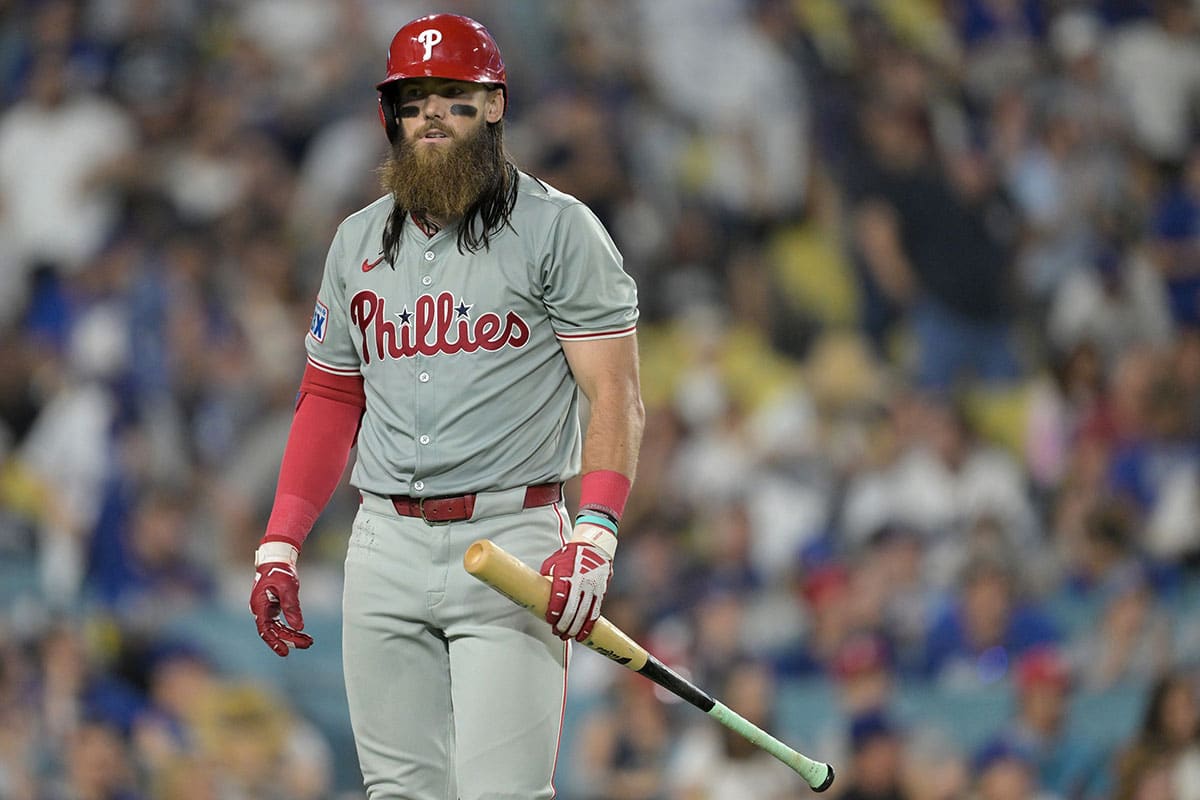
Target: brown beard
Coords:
[(442, 183)]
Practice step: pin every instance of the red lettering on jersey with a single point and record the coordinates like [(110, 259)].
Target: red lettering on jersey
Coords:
[(435, 326)]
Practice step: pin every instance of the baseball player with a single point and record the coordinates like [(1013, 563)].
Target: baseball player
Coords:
[(458, 319)]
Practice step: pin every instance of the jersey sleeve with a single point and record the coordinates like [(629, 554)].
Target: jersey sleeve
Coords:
[(329, 343), (585, 287)]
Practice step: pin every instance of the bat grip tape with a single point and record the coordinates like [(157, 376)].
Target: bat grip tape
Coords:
[(818, 775)]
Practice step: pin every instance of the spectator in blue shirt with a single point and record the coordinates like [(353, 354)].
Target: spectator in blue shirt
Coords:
[(986, 627), (1175, 238)]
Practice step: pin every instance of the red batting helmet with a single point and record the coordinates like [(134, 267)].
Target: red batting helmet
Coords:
[(440, 46)]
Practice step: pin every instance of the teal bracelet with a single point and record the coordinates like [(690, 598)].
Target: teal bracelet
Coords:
[(596, 519)]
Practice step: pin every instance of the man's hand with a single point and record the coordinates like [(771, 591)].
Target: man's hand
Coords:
[(581, 570), (275, 598)]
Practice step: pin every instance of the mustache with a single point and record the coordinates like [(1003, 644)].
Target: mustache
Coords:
[(433, 126)]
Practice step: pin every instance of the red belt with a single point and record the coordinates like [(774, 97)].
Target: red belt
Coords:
[(457, 509)]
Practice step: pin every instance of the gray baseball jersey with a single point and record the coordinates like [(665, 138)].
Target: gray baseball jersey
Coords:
[(467, 388)]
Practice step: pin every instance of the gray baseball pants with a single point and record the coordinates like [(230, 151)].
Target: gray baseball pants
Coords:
[(455, 692)]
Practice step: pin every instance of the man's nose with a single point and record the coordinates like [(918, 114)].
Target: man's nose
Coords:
[(435, 107)]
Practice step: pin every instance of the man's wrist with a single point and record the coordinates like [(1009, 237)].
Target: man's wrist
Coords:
[(601, 534)]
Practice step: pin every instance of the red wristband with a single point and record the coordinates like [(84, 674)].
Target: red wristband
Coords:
[(606, 491)]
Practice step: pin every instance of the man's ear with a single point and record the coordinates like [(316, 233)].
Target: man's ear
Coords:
[(493, 106)]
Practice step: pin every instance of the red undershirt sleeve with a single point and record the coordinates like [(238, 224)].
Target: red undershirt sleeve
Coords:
[(328, 412)]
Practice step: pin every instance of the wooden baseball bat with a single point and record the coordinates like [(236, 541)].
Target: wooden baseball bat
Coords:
[(520, 583)]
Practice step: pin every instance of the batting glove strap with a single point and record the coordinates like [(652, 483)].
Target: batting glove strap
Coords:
[(598, 531), (276, 552)]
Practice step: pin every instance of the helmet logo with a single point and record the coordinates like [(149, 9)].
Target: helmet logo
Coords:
[(429, 37)]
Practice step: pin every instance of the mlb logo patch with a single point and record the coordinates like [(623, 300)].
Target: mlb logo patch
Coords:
[(316, 328)]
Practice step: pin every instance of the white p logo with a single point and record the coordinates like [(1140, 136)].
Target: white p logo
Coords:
[(429, 38)]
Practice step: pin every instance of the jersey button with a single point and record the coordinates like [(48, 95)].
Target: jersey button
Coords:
[(424, 440), (423, 377), (418, 485), (429, 255), (426, 280)]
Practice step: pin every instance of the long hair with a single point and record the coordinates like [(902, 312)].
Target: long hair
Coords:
[(487, 216), (1154, 716)]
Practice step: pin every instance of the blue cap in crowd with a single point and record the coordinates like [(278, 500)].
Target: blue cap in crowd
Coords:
[(869, 726)]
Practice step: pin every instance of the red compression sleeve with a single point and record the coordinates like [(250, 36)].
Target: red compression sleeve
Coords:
[(318, 447)]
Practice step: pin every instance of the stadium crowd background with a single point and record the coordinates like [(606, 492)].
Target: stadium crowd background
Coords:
[(920, 488)]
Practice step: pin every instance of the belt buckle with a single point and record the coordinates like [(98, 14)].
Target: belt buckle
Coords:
[(428, 521)]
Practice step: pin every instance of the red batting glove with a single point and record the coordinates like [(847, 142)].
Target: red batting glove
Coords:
[(580, 572), (275, 598)]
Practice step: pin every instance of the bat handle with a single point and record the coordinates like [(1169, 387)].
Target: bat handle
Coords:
[(818, 774)]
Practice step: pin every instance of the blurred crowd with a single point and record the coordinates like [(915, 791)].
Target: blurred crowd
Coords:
[(920, 284)]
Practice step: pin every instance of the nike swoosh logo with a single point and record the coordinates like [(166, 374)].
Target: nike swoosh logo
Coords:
[(367, 266)]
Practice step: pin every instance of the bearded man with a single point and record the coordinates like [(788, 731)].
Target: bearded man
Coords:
[(458, 320)]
